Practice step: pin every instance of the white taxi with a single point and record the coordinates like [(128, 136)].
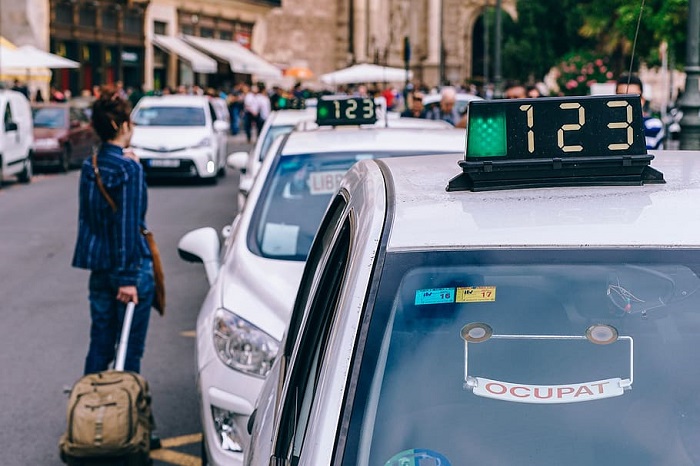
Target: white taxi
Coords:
[(254, 284), (179, 136), (490, 324)]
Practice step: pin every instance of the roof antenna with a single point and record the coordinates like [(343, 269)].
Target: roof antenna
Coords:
[(634, 47)]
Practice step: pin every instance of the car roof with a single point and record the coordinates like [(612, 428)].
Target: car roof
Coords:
[(174, 100), (432, 98), (292, 117), (373, 139), (652, 215)]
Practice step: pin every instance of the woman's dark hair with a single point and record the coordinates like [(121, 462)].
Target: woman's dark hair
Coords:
[(109, 112)]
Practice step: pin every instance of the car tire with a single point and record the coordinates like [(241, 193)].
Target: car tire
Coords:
[(211, 181), (64, 163), (222, 172), (25, 176)]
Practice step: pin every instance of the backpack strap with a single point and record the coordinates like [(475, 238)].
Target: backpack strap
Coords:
[(101, 185)]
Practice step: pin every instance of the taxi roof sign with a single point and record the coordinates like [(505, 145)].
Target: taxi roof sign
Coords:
[(294, 103), (559, 141), (340, 111)]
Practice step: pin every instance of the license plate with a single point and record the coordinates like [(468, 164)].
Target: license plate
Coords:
[(164, 163)]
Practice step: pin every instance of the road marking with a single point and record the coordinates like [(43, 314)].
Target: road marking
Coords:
[(175, 457), (189, 334)]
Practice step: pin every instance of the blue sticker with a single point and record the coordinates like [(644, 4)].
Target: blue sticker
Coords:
[(435, 296), (418, 457)]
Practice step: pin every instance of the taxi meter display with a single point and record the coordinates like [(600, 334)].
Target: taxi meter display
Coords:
[(346, 111), (556, 127)]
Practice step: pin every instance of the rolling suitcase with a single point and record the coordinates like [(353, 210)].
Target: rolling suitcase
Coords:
[(109, 415)]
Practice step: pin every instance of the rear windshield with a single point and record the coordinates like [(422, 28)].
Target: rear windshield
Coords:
[(49, 117), (170, 116), (545, 358)]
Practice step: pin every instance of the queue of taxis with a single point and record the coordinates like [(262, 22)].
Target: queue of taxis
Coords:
[(255, 276), (536, 302)]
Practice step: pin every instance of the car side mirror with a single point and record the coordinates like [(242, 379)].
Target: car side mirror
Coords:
[(202, 245), (220, 126), (238, 161), (10, 126)]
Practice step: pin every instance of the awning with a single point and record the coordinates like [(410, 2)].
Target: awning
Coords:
[(239, 58), (200, 63), (366, 73)]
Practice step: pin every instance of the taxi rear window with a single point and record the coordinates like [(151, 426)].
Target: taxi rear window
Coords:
[(556, 357), (294, 199)]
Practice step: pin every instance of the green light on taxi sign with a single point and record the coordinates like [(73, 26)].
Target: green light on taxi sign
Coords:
[(487, 135), (323, 112)]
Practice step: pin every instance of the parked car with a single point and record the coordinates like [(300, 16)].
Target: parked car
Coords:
[(179, 136), (63, 136), (16, 136)]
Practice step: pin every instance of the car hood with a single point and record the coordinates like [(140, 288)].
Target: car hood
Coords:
[(168, 137), (48, 133), (261, 291)]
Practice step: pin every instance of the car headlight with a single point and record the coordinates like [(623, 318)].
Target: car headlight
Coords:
[(47, 143), (242, 346), (206, 142)]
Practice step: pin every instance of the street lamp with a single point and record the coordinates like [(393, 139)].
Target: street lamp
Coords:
[(690, 102)]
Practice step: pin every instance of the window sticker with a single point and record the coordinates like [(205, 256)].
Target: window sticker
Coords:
[(599, 334), (280, 239), (476, 294), (325, 182), (418, 457), (435, 296)]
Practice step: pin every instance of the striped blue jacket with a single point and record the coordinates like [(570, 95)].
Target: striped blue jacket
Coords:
[(109, 241)]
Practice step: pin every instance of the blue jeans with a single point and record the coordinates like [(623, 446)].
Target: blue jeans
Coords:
[(108, 315)]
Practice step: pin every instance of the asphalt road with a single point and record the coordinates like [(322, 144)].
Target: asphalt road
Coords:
[(44, 315)]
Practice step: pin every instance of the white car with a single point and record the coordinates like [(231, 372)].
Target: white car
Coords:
[(279, 122), (179, 136), (487, 323), (431, 101), (16, 136), (253, 287)]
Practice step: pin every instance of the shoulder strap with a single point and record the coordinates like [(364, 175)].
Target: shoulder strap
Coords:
[(100, 185)]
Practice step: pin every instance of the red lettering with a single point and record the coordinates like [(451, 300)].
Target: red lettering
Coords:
[(600, 386), (561, 391), (526, 395), (538, 395), (583, 389), (501, 386), (317, 183)]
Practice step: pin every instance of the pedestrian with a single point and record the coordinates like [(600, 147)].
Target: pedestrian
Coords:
[(417, 109), (514, 90), (264, 109), (654, 133), (110, 242), (533, 92), (38, 97), (446, 111), (250, 112), (21, 88)]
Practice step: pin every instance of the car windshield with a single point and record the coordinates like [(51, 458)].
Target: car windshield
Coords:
[(49, 117), (170, 116), (272, 133), (542, 357), (294, 199)]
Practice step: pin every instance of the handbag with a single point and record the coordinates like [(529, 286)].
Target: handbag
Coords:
[(158, 275)]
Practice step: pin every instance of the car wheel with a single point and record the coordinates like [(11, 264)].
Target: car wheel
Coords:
[(27, 172), (222, 172), (64, 161)]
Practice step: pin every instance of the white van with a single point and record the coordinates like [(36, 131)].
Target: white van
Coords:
[(16, 136)]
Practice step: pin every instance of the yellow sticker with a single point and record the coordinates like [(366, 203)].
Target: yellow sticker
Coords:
[(476, 294)]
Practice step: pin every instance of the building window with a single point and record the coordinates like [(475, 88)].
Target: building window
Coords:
[(187, 30), (206, 32), (88, 16), (160, 27), (64, 13), (133, 22), (226, 35), (109, 19)]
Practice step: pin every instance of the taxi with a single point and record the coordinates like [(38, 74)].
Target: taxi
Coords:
[(254, 279), (536, 302)]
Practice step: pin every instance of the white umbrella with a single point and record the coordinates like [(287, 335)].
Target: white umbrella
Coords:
[(366, 73), (28, 57)]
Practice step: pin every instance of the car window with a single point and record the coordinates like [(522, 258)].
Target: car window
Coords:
[(272, 133), (294, 198), (170, 116), (304, 375), (7, 118), (559, 357), (49, 117)]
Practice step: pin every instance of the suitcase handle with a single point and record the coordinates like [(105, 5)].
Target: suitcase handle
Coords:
[(124, 339)]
